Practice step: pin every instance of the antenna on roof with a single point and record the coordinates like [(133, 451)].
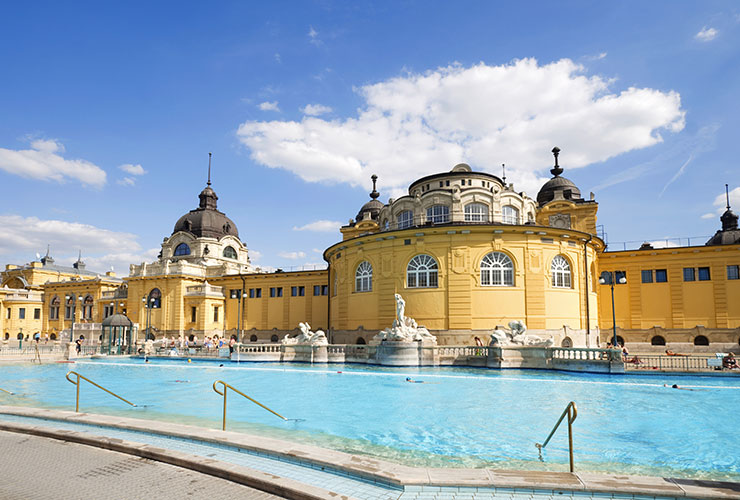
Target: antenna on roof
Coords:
[(727, 194), (503, 166), (209, 168)]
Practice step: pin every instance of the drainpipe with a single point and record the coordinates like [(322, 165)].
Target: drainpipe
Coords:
[(240, 312), (588, 312), (328, 302)]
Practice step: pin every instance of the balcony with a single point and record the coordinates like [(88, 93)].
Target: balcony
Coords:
[(205, 290)]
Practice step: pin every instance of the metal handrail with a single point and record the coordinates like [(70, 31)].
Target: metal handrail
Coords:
[(6, 391), (227, 386), (572, 413), (77, 383)]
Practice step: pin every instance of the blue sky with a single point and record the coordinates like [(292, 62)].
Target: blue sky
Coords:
[(108, 112)]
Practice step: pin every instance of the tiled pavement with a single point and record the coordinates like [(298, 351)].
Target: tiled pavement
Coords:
[(37, 468)]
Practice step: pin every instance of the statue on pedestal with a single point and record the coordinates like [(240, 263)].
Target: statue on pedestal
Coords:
[(404, 329), (306, 337), (517, 336)]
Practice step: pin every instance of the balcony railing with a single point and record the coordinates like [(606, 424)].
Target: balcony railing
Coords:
[(205, 290)]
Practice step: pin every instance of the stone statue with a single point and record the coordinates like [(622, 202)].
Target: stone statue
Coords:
[(517, 336), (306, 337), (404, 329)]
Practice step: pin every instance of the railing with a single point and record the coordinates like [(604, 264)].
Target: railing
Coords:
[(572, 413), (77, 383), (260, 348), (6, 391), (670, 363), (226, 387), (586, 354), (462, 351), (617, 246)]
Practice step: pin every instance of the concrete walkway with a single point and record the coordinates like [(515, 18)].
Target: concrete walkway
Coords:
[(39, 468)]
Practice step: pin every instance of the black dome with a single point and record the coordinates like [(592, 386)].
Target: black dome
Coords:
[(206, 221), (557, 184), (373, 206)]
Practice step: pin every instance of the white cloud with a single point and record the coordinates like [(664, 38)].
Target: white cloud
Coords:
[(44, 161), (323, 226), (269, 106), (100, 247), (313, 36), (706, 34), (133, 169), (254, 255), (709, 216), (292, 255), (126, 181), (667, 243), (418, 124), (278, 59), (315, 109), (720, 203)]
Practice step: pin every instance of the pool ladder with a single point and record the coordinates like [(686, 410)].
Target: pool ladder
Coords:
[(226, 387), (572, 413), (77, 383)]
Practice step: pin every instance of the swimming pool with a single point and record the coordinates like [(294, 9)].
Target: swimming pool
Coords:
[(457, 417)]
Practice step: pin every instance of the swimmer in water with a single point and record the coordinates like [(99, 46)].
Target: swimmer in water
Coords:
[(182, 381), (412, 381), (674, 386)]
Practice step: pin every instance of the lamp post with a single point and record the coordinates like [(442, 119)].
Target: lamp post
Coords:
[(608, 278), (148, 306), (72, 311)]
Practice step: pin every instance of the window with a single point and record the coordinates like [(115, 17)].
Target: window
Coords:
[(182, 249), (476, 212), (733, 272), (561, 272), (701, 340), (272, 291), (87, 307), (107, 311), (704, 274), (215, 313), (510, 215), (251, 293), (316, 290), (37, 313), (438, 214), (364, 277), (276, 291), (258, 293), (193, 314), (279, 291), (155, 298), (647, 275), (661, 276), (618, 275), (21, 313), (69, 309), (405, 219), (301, 291), (324, 289), (54, 308), (235, 293), (229, 253), (689, 274), (657, 340), (496, 269), (422, 272), (294, 291)]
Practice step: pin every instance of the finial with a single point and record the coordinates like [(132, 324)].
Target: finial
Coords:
[(374, 194), (727, 194), (556, 170), (79, 256), (209, 168), (503, 166), (47, 249)]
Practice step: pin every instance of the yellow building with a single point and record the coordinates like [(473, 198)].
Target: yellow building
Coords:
[(466, 251)]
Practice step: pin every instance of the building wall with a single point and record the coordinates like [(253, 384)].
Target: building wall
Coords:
[(12, 302)]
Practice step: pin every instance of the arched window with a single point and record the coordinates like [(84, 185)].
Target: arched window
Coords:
[(53, 336), (496, 269), (364, 277), (510, 215), (182, 249), (69, 307), (476, 212), (657, 340), (360, 341), (438, 214), (253, 338), (7, 335), (230, 253), (560, 272), (87, 307), (567, 342), (155, 298), (54, 307), (701, 340), (422, 272), (405, 219)]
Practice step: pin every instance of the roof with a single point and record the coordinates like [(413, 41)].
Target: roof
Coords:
[(117, 320), (206, 221)]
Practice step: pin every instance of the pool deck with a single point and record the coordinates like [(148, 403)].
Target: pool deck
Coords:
[(400, 481)]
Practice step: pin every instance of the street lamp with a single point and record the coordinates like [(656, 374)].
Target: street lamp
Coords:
[(609, 278), (148, 306), (72, 314)]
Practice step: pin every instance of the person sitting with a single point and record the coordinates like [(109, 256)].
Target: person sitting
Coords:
[(729, 362)]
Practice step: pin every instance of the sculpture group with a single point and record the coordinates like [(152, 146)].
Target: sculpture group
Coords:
[(404, 329), (306, 337), (517, 335)]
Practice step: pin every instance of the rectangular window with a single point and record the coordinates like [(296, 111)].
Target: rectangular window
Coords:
[(258, 293), (704, 274), (301, 291), (8, 313), (251, 293), (235, 294), (272, 291), (280, 291), (661, 276), (294, 291), (324, 289), (647, 275), (37, 313), (733, 272), (619, 275), (215, 313), (316, 290), (193, 314), (22, 313), (689, 274)]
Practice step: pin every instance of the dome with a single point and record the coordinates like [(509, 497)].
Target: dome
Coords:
[(117, 320), (373, 206), (206, 221), (557, 184)]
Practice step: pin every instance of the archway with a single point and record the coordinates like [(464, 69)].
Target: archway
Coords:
[(657, 340), (701, 340)]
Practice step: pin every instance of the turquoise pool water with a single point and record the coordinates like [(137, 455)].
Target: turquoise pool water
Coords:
[(457, 417)]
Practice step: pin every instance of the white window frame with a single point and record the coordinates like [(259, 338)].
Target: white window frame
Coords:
[(405, 219), (496, 269), (364, 277), (509, 214), (438, 214), (561, 274), (422, 272), (476, 212)]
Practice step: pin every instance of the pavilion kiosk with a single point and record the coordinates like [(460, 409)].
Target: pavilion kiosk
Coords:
[(117, 335)]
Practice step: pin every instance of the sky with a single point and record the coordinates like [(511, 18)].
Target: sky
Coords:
[(108, 112)]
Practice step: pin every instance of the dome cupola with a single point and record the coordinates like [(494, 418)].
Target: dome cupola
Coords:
[(557, 187), (729, 234), (372, 208)]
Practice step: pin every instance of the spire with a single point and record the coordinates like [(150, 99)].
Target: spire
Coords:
[(727, 194), (556, 170), (47, 259), (503, 178), (729, 219), (79, 265), (374, 194), (209, 169)]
